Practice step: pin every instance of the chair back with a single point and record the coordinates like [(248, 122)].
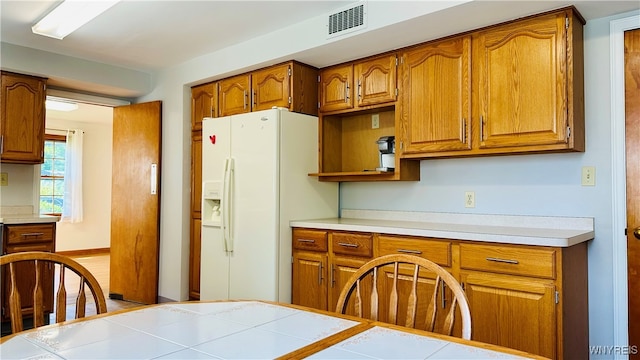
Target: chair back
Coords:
[(399, 271), (19, 268)]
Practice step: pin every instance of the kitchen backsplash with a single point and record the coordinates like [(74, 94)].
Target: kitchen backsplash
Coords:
[(21, 188)]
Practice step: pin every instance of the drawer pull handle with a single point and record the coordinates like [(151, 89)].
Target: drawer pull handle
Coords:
[(406, 251), (508, 261), (348, 245), (306, 241), (32, 234)]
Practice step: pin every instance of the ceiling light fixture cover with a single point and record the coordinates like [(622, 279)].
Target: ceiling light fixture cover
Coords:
[(60, 105), (69, 16)]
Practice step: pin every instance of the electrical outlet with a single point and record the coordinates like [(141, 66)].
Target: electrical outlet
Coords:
[(469, 199), (4, 179), (588, 176), (375, 121)]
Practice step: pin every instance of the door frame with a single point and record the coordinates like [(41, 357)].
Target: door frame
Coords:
[(618, 171)]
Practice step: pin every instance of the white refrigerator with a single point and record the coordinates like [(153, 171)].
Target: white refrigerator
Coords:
[(255, 170)]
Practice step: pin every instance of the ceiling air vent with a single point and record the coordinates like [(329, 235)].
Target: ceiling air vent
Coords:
[(347, 20)]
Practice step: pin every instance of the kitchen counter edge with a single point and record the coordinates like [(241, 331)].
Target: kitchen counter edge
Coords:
[(520, 235), (19, 219)]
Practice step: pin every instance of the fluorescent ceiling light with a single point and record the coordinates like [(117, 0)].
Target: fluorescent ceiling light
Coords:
[(60, 105), (69, 16)]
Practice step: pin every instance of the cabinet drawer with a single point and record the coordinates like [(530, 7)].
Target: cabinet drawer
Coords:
[(508, 260), (352, 244), (438, 251), (17, 234), (312, 240)]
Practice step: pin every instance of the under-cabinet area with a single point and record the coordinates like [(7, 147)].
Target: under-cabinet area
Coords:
[(525, 277)]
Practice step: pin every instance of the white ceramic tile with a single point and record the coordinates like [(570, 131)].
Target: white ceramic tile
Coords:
[(256, 313), (187, 354), (57, 338), (252, 344), (308, 325), (459, 351), (334, 353), (208, 307), (375, 343), (152, 317), (136, 346), (19, 348), (197, 330)]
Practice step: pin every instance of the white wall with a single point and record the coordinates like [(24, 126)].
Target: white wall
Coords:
[(94, 231), (20, 191)]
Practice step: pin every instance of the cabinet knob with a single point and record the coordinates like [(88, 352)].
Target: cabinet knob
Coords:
[(636, 233)]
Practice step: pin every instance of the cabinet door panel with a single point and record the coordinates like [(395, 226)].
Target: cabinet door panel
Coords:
[(234, 95), (22, 119), (436, 97), (271, 87), (196, 174), (310, 279), (194, 259), (341, 270), (515, 312), (336, 88), (523, 83), (204, 103), (376, 80)]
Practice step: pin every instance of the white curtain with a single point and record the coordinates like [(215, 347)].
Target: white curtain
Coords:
[(72, 210)]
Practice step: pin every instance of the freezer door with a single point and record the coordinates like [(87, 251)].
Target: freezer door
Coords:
[(254, 149), (214, 265)]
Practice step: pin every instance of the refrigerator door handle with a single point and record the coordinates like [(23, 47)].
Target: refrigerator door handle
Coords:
[(228, 205)]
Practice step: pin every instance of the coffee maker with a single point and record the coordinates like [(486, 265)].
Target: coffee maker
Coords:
[(387, 150)]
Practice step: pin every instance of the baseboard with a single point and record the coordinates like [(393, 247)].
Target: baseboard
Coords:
[(84, 252)]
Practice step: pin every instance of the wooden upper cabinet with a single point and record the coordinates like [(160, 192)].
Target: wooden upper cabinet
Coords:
[(435, 102), (371, 81), (234, 95), (526, 75), (376, 80), (204, 103), (270, 87), (336, 88), (22, 114)]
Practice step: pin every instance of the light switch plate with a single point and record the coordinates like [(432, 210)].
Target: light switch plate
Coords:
[(4, 179), (588, 176), (375, 121)]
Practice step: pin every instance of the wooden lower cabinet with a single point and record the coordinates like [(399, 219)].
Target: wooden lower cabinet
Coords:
[(310, 279), (529, 298), (523, 314), (21, 238)]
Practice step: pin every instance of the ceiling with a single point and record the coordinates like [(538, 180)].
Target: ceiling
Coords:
[(148, 35)]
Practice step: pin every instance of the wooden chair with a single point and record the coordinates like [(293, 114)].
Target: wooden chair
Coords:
[(370, 271), (9, 264)]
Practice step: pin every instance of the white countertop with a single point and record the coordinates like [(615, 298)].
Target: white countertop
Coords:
[(24, 215), (508, 229)]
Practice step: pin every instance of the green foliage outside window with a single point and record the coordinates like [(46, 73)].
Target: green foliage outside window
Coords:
[(52, 177)]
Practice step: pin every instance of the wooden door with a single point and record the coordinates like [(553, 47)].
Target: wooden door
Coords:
[(336, 88), (310, 279), (196, 215), (233, 95), (195, 247), (511, 311), (135, 203), (204, 103), (436, 97), (376, 80), (632, 113), (522, 83), (271, 87), (22, 119)]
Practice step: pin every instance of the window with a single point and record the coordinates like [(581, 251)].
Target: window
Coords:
[(52, 175)]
